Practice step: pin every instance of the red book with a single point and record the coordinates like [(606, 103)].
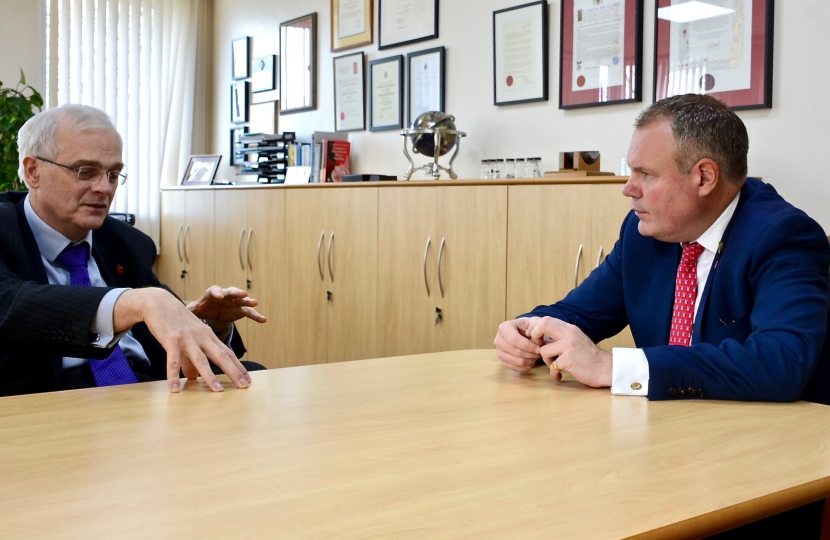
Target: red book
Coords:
[(335, 160)]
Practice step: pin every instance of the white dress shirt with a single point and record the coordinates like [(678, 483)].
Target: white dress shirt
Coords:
[(630, 366)]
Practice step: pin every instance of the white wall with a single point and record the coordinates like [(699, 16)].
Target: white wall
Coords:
[(789, 144), (22, 43)]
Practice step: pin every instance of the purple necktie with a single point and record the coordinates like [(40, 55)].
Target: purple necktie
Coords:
[(115, 369)]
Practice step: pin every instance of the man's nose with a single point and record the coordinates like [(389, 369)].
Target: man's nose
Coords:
[(629, 188)]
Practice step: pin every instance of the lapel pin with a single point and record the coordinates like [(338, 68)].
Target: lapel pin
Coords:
[(119, 269)]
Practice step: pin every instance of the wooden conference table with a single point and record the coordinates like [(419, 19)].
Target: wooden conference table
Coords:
[(443, 445)]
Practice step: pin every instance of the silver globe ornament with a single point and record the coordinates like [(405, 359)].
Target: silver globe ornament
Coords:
[(424, 143), (432, 134)]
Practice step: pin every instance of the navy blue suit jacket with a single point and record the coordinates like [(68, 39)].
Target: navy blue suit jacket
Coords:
[(760, 329)]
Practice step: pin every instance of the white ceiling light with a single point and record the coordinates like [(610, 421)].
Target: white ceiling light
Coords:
[(691, 11)]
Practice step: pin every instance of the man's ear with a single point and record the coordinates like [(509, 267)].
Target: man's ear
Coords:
[(31, 172), (707, 172)]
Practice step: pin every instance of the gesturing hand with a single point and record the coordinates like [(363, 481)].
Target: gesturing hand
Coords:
[(189, 343), (572, 351), (221, 307), (514, 346)]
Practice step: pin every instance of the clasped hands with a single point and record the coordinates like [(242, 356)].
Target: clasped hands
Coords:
[(189, 342), (520, 342)]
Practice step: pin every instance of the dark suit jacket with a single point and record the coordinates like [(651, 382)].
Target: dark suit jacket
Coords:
[(760, 329), (41, 323)]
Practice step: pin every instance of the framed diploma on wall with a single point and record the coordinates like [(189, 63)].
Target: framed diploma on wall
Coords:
[(239, 102), (401, 22), (601, 52), (351, 24), (241, 58), (386, 93), (425, 82), (349, 93), (719, 48), (520, 54)]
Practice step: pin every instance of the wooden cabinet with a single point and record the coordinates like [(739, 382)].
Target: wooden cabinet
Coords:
[(250, 255), (555, 237), (187, 233), (331, 275), (441, 267)]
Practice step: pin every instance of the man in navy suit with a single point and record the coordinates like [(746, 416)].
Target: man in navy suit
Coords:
[(723, 283), (79, 303)]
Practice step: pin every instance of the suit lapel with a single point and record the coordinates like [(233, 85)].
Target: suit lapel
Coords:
[(35, 271), (111, 260), (664, 270)]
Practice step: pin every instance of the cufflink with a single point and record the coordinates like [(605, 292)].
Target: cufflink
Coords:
[(636, 386)]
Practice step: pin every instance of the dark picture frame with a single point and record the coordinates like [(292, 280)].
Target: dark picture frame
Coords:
[(264, 73), (237, 156), (521, 78), (424, 86), (356, 38), (241, 58), (298, 64), (618, 78), (240, 102), (201, 170), (407, 28), (386, 94), (349, 92), (745, 85)]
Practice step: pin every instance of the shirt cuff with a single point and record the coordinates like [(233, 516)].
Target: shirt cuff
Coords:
[(102, 325), (629, 372)]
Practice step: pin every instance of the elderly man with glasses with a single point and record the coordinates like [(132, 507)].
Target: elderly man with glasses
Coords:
[(80, 305)]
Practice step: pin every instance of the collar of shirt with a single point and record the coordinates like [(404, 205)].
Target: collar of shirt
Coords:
[(49, 241), (713, 235)]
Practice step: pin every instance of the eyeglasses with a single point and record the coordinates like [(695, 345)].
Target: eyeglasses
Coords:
[(88, 174)]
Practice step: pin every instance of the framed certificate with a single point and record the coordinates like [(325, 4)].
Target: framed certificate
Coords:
[(520, 54), (351, 24), (401, 22), (349, 93), (386, 93), (264, 77), (425, 82), (721, 48), (602, 52)]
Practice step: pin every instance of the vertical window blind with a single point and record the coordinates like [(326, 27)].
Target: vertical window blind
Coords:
[(137, 61)]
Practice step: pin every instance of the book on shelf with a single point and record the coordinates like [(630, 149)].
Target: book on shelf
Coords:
[(335, 160), (316, 150)]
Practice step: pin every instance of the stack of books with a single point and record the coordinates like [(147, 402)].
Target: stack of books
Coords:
[(265, 155)]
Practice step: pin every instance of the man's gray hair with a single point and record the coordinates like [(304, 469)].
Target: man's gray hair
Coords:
[(37, 136), (702, 127)]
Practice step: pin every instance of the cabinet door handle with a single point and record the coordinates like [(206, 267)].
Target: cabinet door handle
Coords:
[(179, 242), (331, 241), (599, 257), (186, 236), (319, 250), (239, 248), (426, 250), (440, 258), (248, 250), (576, 269)]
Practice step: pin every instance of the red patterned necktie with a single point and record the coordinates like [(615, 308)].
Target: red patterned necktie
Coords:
[(685, 294)]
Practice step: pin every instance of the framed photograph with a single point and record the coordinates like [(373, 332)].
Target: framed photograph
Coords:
[(264, 73), (241, 58), (601, 52), (520, 54), (201, 170), (425, 82), (349, 93), (351, 24), (298, 65), (237, 155), (719, 48), (386, 93), (239, 102), (401, 22), (264, 118)]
